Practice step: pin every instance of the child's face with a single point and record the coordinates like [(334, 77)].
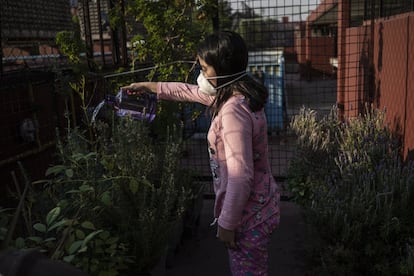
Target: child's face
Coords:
[(208, 71)]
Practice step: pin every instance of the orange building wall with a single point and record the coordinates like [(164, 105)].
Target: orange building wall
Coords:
[(354, 74), (409, 127), (392, 66), (300, 46), (321, 50)]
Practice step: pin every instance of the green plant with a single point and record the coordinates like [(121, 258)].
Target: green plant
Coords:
[(168, 37), (70, 44), (77, 242), (359, 199), (317, 143), (172, 30), (149, 204), (109, 205)]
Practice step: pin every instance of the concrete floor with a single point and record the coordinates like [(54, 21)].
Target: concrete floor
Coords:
[(204, 255)]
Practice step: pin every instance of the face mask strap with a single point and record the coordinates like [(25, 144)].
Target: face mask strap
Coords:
[(226, 76), (230, 82)]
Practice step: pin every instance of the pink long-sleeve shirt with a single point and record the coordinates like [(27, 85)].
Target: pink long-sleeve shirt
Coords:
[(246, 192)]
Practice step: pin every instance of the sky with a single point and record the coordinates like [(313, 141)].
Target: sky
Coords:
[(295, 9)]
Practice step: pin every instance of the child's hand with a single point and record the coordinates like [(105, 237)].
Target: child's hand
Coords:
[(227, 236), (140, 88)]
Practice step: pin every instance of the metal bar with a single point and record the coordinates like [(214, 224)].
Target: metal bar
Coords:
[(98, 6), (147, 68), (1, 46), (27, 153)]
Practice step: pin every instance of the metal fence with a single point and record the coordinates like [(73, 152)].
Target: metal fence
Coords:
[(309, 53)]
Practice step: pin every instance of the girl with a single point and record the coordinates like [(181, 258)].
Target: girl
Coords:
[(247, 197)]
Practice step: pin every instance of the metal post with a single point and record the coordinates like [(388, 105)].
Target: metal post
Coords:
[(344, 7), (370, 93), (1, 44), (88, 33), (215, 19), (98, 6), (124, 50), (114, 38)]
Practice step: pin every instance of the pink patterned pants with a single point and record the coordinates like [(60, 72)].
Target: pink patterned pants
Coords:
[(250, 257)]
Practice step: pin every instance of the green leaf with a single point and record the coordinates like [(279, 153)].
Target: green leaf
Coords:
[(50, 239), (20, 243), (73, 192), (88, 225), (40, 227), (69, 258), (57, 224), (69, 173), (55, 170), (146, 182), (106, 198), (74, 247), (52, 215), (35, 239), (90, 236), (85, 188), (91, 154), (63, 203), (39, 182), (80, 234), (77, 156), (133, 185), (104, 235)]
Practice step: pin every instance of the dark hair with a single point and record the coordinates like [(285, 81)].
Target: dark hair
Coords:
[(227, 53)]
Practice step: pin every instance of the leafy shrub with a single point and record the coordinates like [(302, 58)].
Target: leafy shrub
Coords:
[(360, 196), (109, 205)]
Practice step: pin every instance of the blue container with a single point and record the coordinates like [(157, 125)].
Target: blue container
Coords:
[(269, 66)]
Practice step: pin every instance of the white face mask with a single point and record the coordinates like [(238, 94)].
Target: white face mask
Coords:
[(207, 88)]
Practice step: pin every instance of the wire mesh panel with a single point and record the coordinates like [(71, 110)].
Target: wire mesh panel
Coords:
[(309, 53), (28, 116), (276, 33), (337, 54)]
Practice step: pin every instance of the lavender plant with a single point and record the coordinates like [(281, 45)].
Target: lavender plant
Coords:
[(317, 141), (360, 197)]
